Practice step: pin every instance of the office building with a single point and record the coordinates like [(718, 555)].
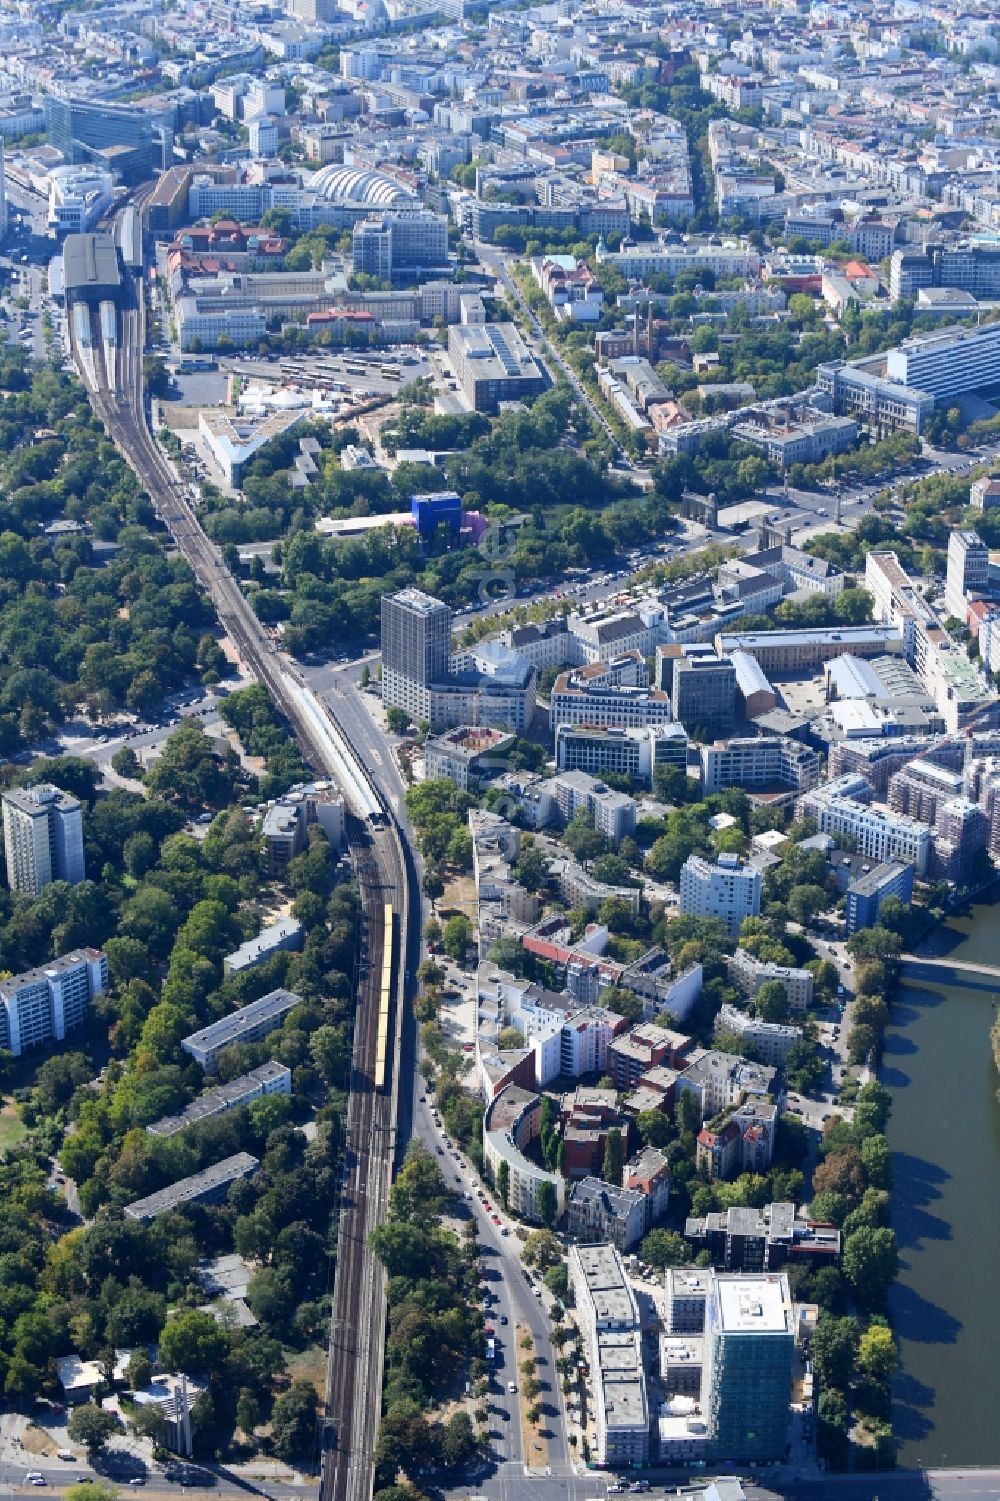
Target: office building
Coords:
[(806, 650), (968, 267), (968, 572), (727, 889), (703, 695), (768, 763), (416, 650), (467, 755), (270, 1078), (749, 1345), (742, 1239), (686, 1289), (42, 1005), (632, 753), (248, 1024), (866, 894), (882, 403), (3, 190), (960, 693), (398, 242), (609, 695), (608, 1316), (208, 1187), (948, 363), (43, 837), (492, 363), (111, 136)]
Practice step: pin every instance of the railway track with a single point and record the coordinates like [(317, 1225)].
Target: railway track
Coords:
[(112, 372)]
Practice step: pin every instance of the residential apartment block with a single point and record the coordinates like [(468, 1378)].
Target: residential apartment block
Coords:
[(42, 1005), (727, 889), (248, 1024), (43, 837)]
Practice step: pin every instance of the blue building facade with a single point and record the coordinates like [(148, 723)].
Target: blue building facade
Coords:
[(866, 895), (440, 508)]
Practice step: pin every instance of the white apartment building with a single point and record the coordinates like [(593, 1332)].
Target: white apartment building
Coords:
[(670, 260), (879, 836), (770, 1041), (968, 571), (749, 973), (43, 837), (727, 889), (43, 1004), (613, 812), (578, 699), (511, 1121)]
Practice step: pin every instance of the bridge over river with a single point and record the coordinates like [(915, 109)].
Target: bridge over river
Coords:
[(984, 977)]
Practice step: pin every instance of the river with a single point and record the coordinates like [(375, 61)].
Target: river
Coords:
[(945, 1136)]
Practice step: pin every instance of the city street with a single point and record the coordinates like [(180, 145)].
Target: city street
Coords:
[(511, 1303)]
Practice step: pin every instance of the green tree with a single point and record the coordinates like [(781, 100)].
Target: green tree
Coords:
[(664, 1248), (771, 1002), (541, 1249), (192, 1342), (458, 1441), (92, 1426), (870, 1261), (126, 763), (547, 1202), (247, 1411), (614, 1157), (503, 1183), (834, 1349), (457, 936), (655, 1128), (877, 1353), (293, 1423), (556, 1279)]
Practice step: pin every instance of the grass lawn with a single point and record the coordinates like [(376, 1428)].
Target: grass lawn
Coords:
[(12, 1128)]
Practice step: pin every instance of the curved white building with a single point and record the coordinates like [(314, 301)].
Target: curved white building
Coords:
[(512, 1120), (359, 185)]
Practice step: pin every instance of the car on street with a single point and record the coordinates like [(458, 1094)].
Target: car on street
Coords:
[(33, 1477)]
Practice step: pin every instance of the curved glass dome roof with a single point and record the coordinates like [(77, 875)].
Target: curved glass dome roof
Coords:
[(358, 185)]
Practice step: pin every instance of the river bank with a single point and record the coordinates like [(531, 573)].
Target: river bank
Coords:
[(945, 1135)]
